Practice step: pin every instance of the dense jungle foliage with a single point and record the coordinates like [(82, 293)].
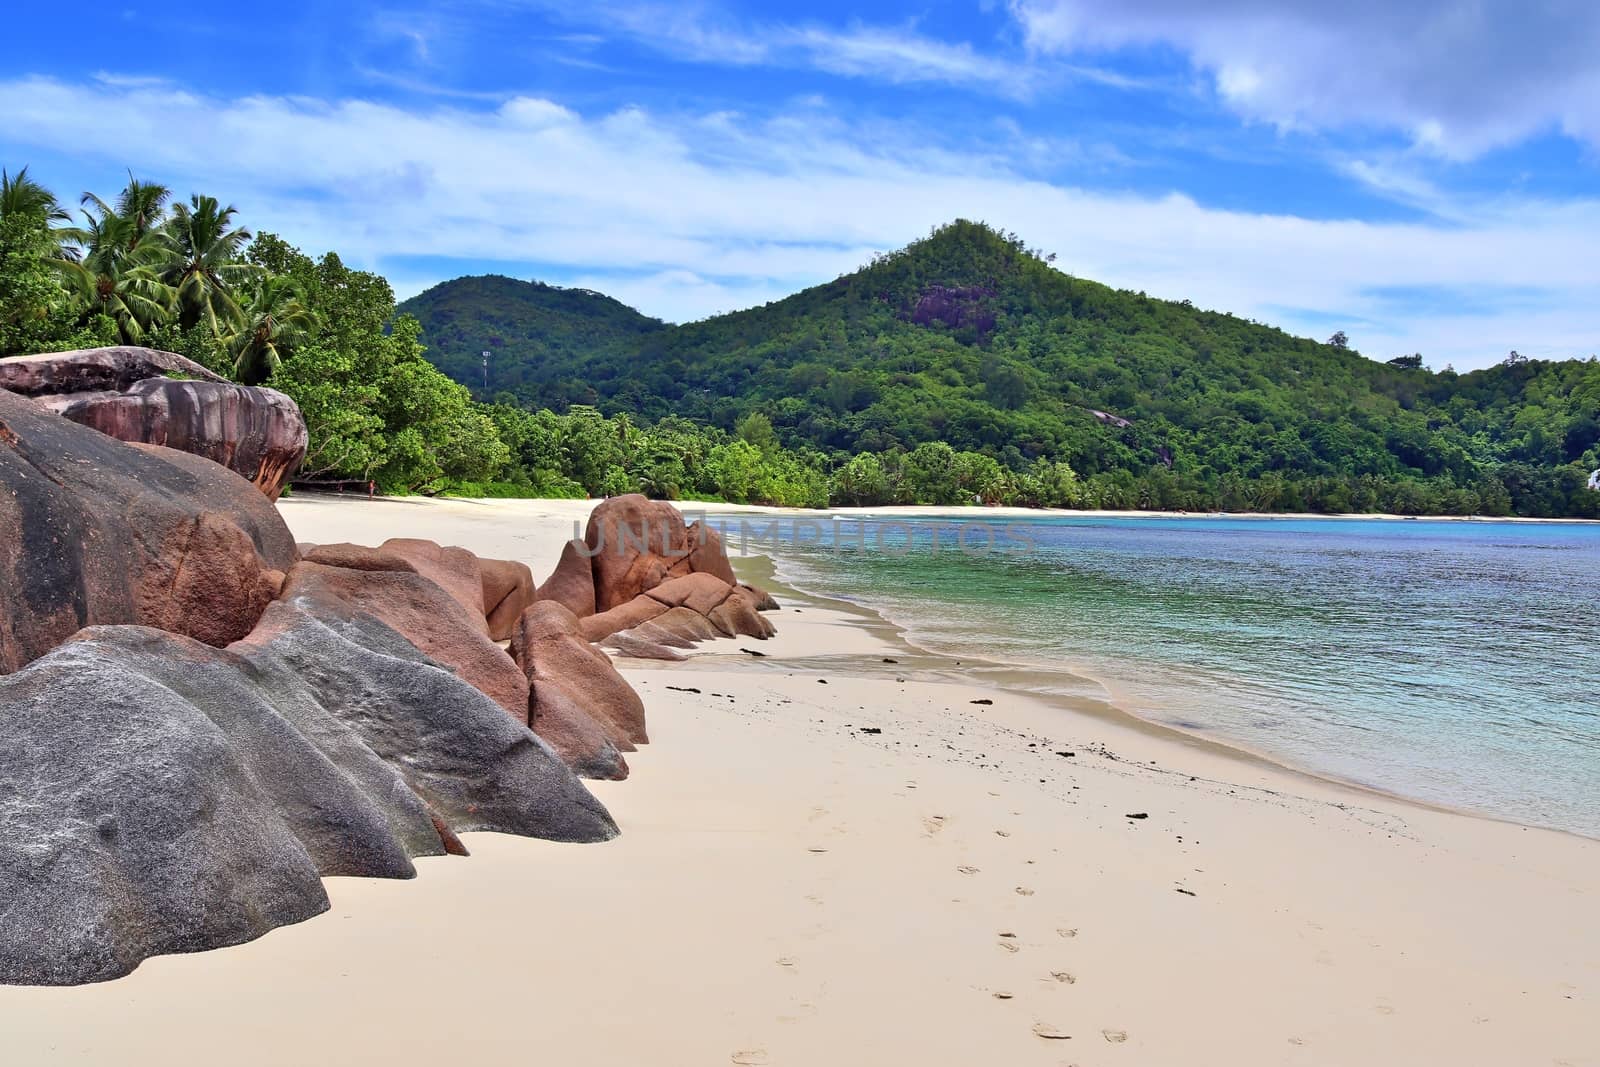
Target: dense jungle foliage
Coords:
[(962, 369)]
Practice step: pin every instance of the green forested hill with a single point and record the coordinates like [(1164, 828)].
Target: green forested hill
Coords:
[(526, 327), (969, 338)]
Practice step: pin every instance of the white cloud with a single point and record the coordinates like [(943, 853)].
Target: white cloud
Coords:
[(897, 54), (686, 215), (1459, 77)]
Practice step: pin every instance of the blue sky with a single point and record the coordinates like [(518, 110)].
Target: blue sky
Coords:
[(1425, 176)]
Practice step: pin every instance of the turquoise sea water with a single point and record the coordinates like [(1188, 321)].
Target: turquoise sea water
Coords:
[(1454, 662)]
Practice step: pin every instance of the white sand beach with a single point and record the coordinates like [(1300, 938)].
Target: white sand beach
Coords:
[(829, 859)]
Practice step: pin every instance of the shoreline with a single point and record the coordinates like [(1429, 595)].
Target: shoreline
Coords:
[(829, 859), (766, 570), (955, 511)]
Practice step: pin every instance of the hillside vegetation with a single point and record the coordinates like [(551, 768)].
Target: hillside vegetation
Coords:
[(968, 339), (963, 369), (525, 326)]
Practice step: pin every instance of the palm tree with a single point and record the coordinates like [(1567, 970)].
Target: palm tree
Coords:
[(142, 205), (204, 264), (24, 196), (111, 272), (274, 321)]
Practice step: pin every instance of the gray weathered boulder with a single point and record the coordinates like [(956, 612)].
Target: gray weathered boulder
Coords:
[(427, 616), (158, 795), (131, 828)]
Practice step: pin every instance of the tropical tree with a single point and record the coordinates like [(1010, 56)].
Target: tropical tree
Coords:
[(22, 196), (141, 205), (205, 263), (273, 321), (112, 272)]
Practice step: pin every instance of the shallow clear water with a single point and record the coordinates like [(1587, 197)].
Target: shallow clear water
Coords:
[(1453, 662)]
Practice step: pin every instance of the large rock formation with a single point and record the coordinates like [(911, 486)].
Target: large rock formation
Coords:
[(95, 370), (722, 609), (508, 591), (425, 614), (94, 531), (235, 723), (455, 570), (123, 393), (634, 544), (163, 796), (571, 584), (549, 646)]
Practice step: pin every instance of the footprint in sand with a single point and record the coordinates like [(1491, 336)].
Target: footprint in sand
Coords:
[(967, 869), (1063, 931), (932, 824), (1051, 1033), (1116, 1037), (1024, 891), (1063, 977), (750, 1056)]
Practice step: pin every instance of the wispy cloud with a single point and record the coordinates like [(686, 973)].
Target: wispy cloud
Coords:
[(1458, 79), (898, 53), (688, 214)]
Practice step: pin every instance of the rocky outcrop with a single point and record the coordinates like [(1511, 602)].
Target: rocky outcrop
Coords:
[(508, 591), (93, 531), (722, 609), (195, 795), (355, 558), (634, 544), (95, 370), (622, 617), (572, 583), (455, 570), (256, 433), (706, 554), (424, 614), (199, 725), (125, 393), (634, 644), (549, 646), (700, 593), (737, 617), (682, 624), (762, 599), (588, 747)]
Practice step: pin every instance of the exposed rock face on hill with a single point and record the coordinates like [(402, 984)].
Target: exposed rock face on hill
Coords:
[(257, 433), (93, 531), (196, 795)]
